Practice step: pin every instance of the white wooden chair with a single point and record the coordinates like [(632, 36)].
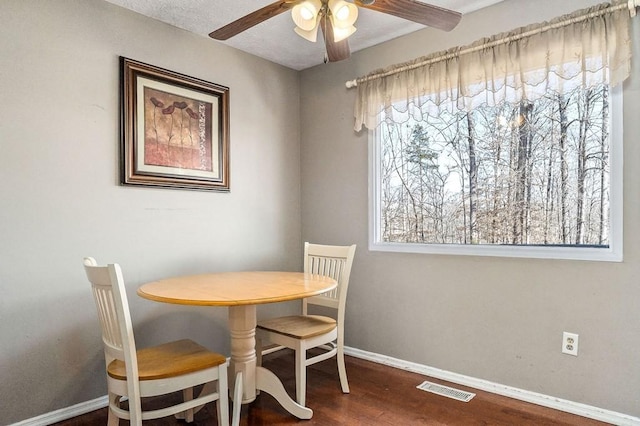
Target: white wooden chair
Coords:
[(303, 332), (156, 370)]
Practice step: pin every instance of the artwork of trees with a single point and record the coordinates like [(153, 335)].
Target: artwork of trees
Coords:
[(533, 173)]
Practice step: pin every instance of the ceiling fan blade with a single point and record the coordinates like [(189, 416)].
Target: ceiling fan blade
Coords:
[(252, 19), (422, 13), (336, 51)]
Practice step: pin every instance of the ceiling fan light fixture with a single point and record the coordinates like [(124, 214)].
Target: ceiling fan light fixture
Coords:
[(340, 34), (343, 14), (305, 14), (311, 35), (337, 19)]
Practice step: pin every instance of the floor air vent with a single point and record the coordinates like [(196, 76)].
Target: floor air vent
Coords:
[(442, 390)]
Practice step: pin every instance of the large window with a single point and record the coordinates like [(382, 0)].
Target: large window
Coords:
[(535, 179), (511, 146)]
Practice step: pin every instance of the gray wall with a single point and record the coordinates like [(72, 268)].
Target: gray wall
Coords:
[(490, 318), (60, 198), (498, 319)]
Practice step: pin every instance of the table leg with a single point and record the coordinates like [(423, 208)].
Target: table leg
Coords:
[(242, 327)]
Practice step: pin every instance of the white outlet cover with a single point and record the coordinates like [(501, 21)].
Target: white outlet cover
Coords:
[(570, 343)]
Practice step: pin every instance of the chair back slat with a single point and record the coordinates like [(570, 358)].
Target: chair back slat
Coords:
[(106, 305), (329, 267), (331, 261), (107, 314)]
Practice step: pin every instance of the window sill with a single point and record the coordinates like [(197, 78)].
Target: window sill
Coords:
[(604, 254)]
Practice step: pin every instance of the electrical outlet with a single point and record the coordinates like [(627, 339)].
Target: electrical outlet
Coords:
[(570, 343)]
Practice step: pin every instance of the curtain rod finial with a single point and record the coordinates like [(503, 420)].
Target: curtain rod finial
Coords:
[(351, 84), (632, 7)]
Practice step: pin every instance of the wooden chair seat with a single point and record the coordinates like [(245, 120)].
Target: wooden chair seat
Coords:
[(169, 360), (299, 326)]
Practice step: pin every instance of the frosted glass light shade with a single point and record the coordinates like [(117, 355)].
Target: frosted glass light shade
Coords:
[(311, 35), (343, 14), (340, 34), (305, 14)]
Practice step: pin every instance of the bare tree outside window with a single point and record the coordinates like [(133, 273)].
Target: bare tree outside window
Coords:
[(532, 173)]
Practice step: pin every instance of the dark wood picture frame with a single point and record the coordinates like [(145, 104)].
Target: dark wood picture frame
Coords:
[(174, 129)]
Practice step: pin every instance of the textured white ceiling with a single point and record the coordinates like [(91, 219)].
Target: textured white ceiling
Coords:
[(274, 39)]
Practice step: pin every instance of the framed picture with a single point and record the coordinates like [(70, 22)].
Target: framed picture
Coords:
[(175, 129)]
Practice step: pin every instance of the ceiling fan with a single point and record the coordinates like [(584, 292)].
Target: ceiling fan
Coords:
[(336, 18)]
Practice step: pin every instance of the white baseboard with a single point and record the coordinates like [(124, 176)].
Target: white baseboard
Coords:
[(65, 413), (583, 410)]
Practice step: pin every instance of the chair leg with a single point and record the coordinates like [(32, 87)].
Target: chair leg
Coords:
[(187, 395), (113, 419), (258, 352), (222, 404), (237, 400), (301, 375), (342, 370)]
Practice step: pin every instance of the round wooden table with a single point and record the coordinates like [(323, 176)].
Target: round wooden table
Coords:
[(241, 292)]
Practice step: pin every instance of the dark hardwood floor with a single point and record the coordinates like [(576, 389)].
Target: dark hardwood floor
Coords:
[(380, 395)]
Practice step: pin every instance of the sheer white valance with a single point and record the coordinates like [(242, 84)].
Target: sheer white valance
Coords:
[(592, 46)]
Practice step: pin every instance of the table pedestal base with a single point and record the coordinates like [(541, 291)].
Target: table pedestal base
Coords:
[(242, 326)]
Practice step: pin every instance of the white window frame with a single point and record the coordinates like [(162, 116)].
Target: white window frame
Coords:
[(613, 253)]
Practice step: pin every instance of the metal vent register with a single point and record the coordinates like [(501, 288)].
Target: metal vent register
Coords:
[(442, 390)]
